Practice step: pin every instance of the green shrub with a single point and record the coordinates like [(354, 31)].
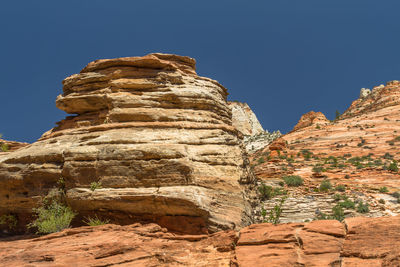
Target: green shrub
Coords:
[(382, 201), (4, 147), (340, 188), (383, 189), (387, 156), (396, 194), (337, 197), (52, 218), (266, 191), (338, 213), (393, 166), (9, 220), (347, 204), (276, 212), (293, 180), (95, 221), (362, 208), (95, 185), (318, 169), (325, 185)]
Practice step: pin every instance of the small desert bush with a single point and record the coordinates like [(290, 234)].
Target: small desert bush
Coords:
[(393, 166), (362, 208), (325, 185), (9, 220), (95, 221), (383, 190), (266, 191), (293, 180), (340, 188), (53, 215), (95, 185)]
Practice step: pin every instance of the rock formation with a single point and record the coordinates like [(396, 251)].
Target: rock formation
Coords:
[(358, 152), (244, 119), (157, 137), (309, 119), (356, 242), (10, 146)]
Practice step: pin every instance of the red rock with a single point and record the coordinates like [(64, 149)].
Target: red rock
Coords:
[(311, 118)]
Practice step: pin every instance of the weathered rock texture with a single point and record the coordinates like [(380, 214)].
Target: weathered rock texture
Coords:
[(309, 119), (9, 146), (354, 151), (356, 242), (156, 136), (244, 119)]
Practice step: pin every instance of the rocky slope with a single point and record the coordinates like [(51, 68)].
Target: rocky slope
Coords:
[(157, 137), (357, 154), (356, 242)]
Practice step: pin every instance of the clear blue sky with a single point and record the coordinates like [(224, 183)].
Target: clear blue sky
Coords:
[(284, 58)]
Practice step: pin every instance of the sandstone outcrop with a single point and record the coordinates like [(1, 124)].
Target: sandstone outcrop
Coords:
[(244, 119), (157, 137), (309, 119), (10, 146), (358, 152), (356, 242)]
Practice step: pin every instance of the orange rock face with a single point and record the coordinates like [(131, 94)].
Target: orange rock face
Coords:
[(356, 242), (359, 151), (309, 119)]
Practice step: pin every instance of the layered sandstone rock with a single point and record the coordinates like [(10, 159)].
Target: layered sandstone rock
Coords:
[(356, 242), (244, 119), (355, 151), (10, 146), (156, 136), (309, 119)]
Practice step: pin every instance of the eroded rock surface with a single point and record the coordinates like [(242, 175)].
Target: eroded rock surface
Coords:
[(356, 242), (156, 136), (358, 153), (244, 119)]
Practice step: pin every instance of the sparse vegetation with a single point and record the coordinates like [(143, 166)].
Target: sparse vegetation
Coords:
[(347, 204), (95, 221), (362, 208), (325, 185), (383, 189), (340, 188), (338, 213), (3, 146), (95, 185), (293, 180), (276, 212), (393, 166), (53, 215), (266, 191), (318, 169), (9, 220)]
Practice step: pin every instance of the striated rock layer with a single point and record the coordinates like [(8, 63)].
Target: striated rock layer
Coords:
[(359, 151), (156, 136), (356, 242), (244, 119)]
